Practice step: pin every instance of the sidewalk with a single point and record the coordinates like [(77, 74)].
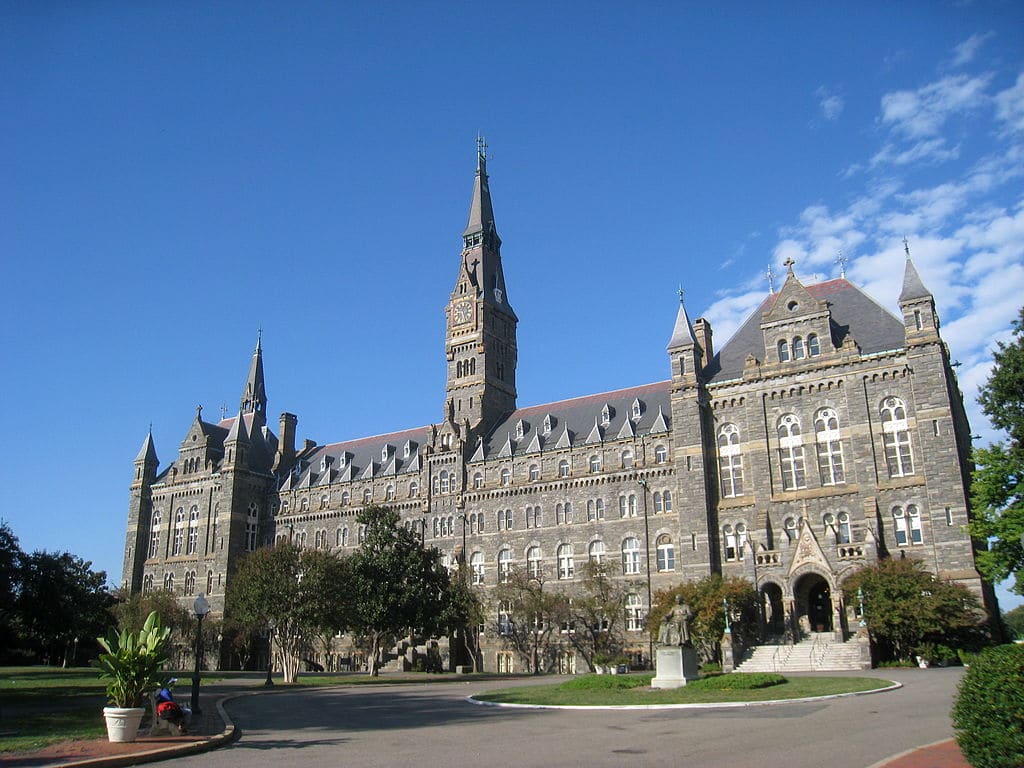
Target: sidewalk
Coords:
[(942, 754), (209, 730)]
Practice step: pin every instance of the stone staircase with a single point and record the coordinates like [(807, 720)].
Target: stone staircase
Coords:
[(816, 653)]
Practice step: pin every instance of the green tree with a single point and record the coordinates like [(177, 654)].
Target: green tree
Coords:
[(528, 616), (395, 584), (1014, 622), (130, 613), (906, 606), (462, 615), (10, 566), (705, 598), (60, 598), (997, 487), (597, 612), (297, 592)]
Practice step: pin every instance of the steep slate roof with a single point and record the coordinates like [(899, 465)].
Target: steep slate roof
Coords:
[(873, 327), (913, 287), (365, 452), (580, 415)]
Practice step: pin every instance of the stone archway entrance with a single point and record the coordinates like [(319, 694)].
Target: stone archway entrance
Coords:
[(773, 609), (813, 603)]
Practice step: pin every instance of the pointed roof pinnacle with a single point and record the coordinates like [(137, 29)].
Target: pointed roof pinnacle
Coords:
[(238, 431), (148, 452), (913, 286), (481, 212), (682, 333), (254, 394)]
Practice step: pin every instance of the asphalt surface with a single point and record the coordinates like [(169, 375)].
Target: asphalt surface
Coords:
[(432, 724)]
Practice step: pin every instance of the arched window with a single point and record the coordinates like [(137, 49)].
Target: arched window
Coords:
[(666, 554), (504, 629), (534, 473), (389, 493), (193, 531), (346, 498), (478, 480), (563, 468), (446, 485), (344, 536), (476, 567), (324, 501), (504, 565), (798, 348), (813, 347), (843, 532), (830, 447), (414, 489), (190, 583), (596, 552), (627, 459), (147, 584), (791, 453), (480, 522), (169, 582), (632, 505), (729, 542), (506, 476), (896, 438), (660, 454), (304, 506), (634, 613), (367, 495), (534, 563), (179, 532), (658, 503), (667, 497), (783, 351), (741, 540), (566, 566), (789, 526), (630, 556), (154, 535), (209, 582), (914, 520), (899, 522), (730, 461), (595, 463)]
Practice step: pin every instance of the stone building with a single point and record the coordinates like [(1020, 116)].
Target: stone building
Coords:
[(825, 434)]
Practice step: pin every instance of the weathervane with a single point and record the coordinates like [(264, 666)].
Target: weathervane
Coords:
[(906, 246), (682, 295), (770, 275)]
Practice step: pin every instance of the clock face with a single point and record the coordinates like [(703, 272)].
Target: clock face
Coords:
[(463, 312), (498, 295)]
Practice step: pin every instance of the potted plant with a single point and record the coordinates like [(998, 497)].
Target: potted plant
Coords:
[(131, 666)]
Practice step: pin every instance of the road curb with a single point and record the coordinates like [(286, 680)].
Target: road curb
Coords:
[(715, 705), (900, 755)]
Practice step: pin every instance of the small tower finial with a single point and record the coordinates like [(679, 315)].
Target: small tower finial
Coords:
[(770, 276), (199, 411), (259, 337), (906, 246), (481, 152), (682, 295), (788, 264), (841, 261)]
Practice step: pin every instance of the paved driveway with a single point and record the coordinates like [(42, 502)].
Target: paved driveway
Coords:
[(431, 725)]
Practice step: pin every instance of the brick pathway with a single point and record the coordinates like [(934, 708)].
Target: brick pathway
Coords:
[(944, 754)]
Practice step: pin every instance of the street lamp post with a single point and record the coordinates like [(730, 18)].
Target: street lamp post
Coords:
[(202, 607), (642, 482), (270, 653), (725, 607), (463, 518)]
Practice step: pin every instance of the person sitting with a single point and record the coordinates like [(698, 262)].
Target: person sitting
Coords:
[(168, 709)]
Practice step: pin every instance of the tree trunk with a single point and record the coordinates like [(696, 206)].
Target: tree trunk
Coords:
[(374, 653)]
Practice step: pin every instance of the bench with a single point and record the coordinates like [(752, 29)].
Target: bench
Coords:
[(161, 725)]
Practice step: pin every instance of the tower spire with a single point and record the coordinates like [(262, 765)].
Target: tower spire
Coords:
[(254, 395), (480, 227)]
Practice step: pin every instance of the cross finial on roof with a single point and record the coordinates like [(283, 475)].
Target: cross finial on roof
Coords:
[(223, 412), (788, 264), (841, 261), (770, 276), (906, 246), (259, 336), (199, 411), (682, 295)]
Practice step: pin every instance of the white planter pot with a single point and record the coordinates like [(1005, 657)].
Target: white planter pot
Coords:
[(123, 724)]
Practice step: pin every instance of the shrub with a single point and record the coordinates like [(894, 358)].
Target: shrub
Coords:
[(739, 681), (988, 714)]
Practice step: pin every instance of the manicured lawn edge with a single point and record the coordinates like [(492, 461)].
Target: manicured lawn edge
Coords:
[(884, 687)]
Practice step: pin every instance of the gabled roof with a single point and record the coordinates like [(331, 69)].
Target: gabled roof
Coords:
[(873, 327), (582, 415)]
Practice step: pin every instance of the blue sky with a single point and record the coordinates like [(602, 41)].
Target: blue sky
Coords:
[(178, 175)]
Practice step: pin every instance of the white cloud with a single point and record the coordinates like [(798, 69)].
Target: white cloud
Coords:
[(923, 113), (1010, 106), (727, 313), (927, 150), (831, 104), (964, 53)]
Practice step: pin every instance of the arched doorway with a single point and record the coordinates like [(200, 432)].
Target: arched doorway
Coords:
[(773, 611), (813, 603)]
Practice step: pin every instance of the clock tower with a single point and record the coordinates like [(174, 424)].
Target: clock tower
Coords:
[(480, 339)]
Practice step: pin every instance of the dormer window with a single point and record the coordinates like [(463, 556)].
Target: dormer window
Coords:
[(385, 452), (606, 415), (341, 461), (638, 408), (549, 424), (407, 449), (521, 429), (323, 463)]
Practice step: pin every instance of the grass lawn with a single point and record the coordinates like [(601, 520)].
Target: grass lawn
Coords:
[(44, 705), (699, 692)]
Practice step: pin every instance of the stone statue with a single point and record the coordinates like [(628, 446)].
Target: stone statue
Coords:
[(675, 627)]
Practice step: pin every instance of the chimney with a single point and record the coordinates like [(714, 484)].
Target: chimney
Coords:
[(702, 331), (286, 442)]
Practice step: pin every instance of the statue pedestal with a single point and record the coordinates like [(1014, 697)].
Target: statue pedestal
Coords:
[(675, 666)]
